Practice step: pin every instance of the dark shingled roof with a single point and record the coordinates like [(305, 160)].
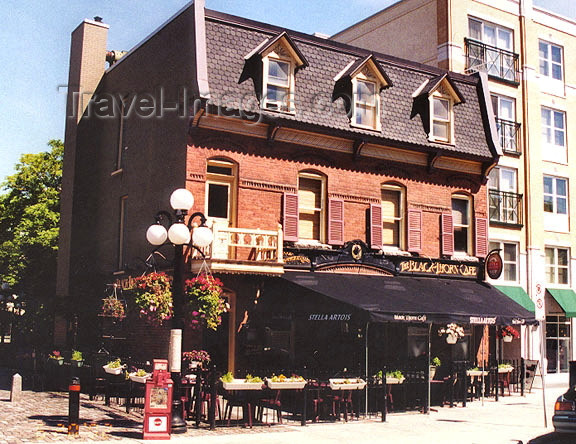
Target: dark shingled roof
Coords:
[(229, 39)]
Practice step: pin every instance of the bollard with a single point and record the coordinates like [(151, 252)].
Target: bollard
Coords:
[(16, 390), (74, 406)]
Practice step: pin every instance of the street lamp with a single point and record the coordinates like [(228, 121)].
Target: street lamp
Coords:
[(179, 234)]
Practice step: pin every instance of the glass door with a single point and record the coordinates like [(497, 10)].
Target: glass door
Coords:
[(557, 343)]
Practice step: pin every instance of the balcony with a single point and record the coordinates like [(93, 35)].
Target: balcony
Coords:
[(498, 63), (243, 250), (505, 208), (508, 135)]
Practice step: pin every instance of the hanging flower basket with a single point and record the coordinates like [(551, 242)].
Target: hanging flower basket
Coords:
[(453, 332), (196, 358), (507, 333), (204, 302), (112, 307), (153, 298)]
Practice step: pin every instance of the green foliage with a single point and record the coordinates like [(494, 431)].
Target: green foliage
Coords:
[(153, 297), (76, 355), (436, 361), (29, 221), (116, 363), (395, 374), (228, 377), (204, 306)]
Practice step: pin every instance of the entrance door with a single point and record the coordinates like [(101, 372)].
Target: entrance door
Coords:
[(557, 343)]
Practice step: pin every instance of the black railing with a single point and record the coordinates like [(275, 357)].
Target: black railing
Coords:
[(496, 62), (505, 207), (508, 134)]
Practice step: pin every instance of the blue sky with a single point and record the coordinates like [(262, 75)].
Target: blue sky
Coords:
[(35, 36)]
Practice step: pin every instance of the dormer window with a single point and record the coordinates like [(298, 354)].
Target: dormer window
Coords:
[(434, 100), (278, 85), (273, 66), (441, 118), (359, 85)]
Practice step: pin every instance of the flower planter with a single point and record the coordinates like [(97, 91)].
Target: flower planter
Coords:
[(507, 338), (140, 379), (451, 339), (432, 372), (277, 385), (394, 381), (113, 370), (241, 384), (347, 384)]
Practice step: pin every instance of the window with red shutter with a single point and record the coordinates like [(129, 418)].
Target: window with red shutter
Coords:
[(447, 234), (336, 222), (290, 216), (481, 237), (375, 226), (415, 230)]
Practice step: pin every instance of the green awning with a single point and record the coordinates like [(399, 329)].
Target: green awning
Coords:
[(518, 295), (566, 299)]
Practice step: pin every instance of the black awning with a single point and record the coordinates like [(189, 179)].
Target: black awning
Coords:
[(411, 299)]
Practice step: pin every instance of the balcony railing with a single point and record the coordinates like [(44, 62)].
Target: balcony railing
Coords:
[(505, 207), (245, 250), (508, 134), (496, 62)]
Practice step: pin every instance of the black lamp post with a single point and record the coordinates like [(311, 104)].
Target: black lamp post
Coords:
[(179, 234)]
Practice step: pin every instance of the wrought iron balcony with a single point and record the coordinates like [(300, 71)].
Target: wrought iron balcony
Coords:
[(505, 207), (243, 250), (496, 62), (508, 134)]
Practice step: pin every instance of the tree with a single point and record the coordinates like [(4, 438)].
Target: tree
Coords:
[(29, 220)]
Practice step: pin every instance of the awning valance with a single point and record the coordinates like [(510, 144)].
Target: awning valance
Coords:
[(405, 298), (518, 295), (566, 298)]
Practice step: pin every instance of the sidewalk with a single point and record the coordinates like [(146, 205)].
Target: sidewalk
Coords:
[(42, 416)]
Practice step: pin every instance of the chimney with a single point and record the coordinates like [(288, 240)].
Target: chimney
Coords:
[(87, 64)]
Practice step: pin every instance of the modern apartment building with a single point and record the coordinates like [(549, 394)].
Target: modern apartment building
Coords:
[(527, 53)]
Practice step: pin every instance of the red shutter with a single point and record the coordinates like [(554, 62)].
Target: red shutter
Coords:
[(375, 226), (290, 211), (415, 230), (447, 235), (481, 237), (336, 222)]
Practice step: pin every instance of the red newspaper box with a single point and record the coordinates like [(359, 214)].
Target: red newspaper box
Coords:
[(158, 405)]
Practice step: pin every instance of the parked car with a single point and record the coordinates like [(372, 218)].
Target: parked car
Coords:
[(564, 419)]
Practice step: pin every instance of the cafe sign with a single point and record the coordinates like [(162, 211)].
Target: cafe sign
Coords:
[(330, 317), (431, 267)]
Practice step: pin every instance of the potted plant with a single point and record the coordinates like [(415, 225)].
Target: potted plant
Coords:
[(139, 375), (196, 358), (248, 383), (394, 377), (56, 358), (204, 305), (114, 367), (435, 362), (153, 297), (453, 332), (76, 358), (507, 333), (285, 382)]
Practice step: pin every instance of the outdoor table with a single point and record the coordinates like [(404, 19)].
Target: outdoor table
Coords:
[(504, 378), (245, 394)]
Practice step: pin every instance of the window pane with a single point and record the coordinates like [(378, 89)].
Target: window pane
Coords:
[(562, 275), (543, 67), (365, 92), (561, 187), (506, 109), (546, 117), (557, 72), (504, 39), (548, 185), (461, 239), (559, 138), (550, 277), (508, 180), (549, 204), (561, 206), (364, 116), (494, 179), (510, 252), (225, 171), (551, 330), (558, 120), (441, 108), (510, 272), (489, 35), (556, 54), (440, 130), (390, 204), (549, 256), (390, 233), (460, 211), (562, 257), (309, 225), (218, 200), (475, 29), (309, 193), (277, 93), (543, 50), (278, 72)]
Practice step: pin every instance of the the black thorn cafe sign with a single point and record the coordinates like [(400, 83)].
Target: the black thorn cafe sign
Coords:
[(358, 254)]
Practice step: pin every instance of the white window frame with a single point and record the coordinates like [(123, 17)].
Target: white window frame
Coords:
[(284, 106), (555, 267), (545, 60), (226, 180), (507, 263), (321, 210), (507, 209), (555, 196), (449, 121), (359, 105), (468, 226), (553, 151), (400, 220), (497, 30)]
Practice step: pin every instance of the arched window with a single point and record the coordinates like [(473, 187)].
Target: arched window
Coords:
[(393, 216), (311, 206)]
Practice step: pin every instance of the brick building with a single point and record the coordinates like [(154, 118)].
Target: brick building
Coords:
[(343, 187)]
